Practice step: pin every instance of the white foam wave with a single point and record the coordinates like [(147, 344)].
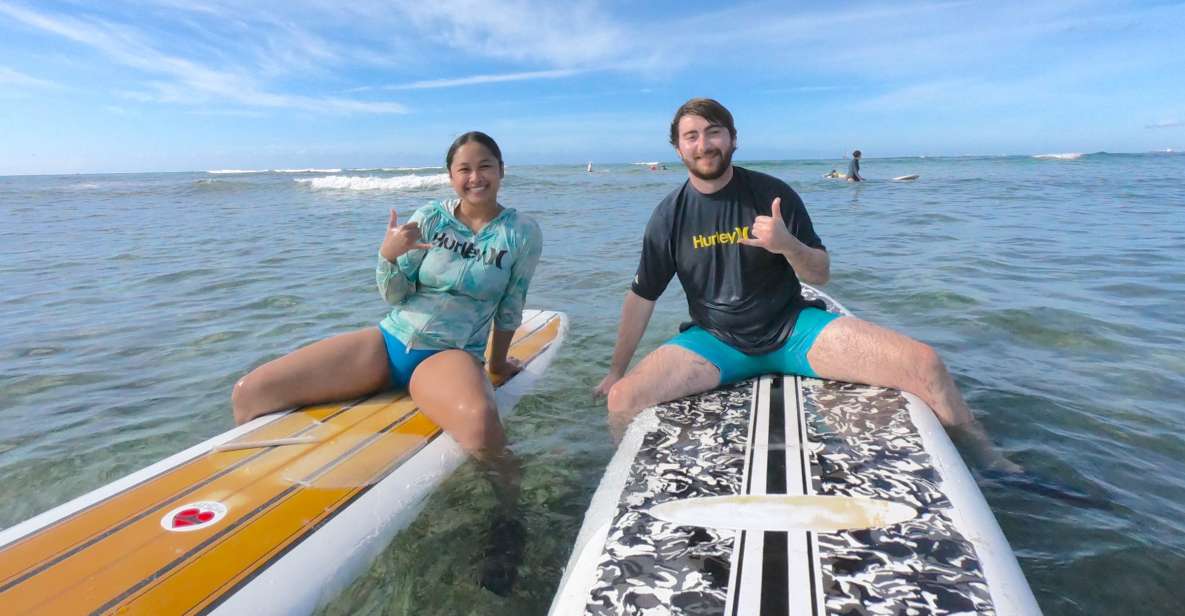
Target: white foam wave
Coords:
[(647, 164), (306, 170), (354, 182), (232, 171), (1065, 156)]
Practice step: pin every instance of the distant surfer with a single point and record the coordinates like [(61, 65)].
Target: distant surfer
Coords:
[(455, 270), (739, 241), (854, 168)]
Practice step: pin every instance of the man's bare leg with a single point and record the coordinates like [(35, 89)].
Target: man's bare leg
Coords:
[(669, 372), (856, 351)]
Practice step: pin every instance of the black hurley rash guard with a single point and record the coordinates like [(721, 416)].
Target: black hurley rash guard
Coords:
[(746, 296)]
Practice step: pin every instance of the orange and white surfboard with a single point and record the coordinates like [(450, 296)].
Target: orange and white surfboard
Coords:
[(273, 517)]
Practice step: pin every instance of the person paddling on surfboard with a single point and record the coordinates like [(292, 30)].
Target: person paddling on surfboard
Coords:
[(739, 242), (451, 272), (854, 168)]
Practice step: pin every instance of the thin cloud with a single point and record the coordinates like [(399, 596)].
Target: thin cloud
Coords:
[(561, 35), (193, 82), (1166, 124), (10, 77), (483, 79)]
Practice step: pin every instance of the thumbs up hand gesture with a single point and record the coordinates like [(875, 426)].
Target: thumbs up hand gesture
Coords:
[(770, 233), (401, 239)]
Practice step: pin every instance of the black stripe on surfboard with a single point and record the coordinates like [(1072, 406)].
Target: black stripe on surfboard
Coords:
[(775, 572), (250, 516), (747, 488), (804, 455), (149, 510)]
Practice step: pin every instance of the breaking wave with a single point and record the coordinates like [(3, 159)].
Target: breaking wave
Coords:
[(354, 182)]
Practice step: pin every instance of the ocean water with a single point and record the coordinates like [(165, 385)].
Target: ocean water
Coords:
[(1053, 287)]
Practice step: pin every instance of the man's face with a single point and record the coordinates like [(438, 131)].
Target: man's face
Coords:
[(705, 148)]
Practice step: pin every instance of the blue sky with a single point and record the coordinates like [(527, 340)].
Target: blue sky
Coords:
[(190, 84)]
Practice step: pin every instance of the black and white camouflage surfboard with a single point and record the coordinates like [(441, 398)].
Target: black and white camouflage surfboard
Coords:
[(785, 495)]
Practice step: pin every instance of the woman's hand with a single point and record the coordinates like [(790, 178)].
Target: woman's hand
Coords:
[(505, 368), (401, 238)]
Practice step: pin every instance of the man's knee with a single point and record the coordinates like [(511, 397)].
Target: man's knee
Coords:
[(621, 398), (927, 365)]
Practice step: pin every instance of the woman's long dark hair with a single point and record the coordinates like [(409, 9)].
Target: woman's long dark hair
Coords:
[(473, 135)]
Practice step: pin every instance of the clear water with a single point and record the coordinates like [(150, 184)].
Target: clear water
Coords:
[(129, 304)]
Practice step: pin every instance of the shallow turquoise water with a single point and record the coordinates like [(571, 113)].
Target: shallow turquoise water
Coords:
[(131, 303)]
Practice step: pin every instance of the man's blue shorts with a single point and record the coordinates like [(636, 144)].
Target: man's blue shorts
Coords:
[(737, 366), (402, 361)]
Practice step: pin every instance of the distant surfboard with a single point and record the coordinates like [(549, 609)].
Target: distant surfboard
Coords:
[(906, 178)]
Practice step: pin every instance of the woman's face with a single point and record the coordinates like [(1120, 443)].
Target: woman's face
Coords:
[(475, 174)]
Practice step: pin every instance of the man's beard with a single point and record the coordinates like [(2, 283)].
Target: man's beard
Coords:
[(725, 163)]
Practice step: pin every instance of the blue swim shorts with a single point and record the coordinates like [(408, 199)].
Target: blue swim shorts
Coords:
[(737, 366), (401, 360)]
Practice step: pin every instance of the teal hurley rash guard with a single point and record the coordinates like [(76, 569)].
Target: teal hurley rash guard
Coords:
[(446, 297)]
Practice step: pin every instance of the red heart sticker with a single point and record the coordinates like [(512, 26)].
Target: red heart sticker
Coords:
[(193, 516)]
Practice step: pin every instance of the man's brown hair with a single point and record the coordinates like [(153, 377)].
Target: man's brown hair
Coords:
[(706, 108)]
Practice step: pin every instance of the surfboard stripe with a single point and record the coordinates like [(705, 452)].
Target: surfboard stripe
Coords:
[(804, 583), (732, 603), (68, 536), (115, 554), (775, 590), (228, 550), (745, 592)]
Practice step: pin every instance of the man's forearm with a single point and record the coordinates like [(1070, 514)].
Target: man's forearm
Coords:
[(812, 265), (635, 315)]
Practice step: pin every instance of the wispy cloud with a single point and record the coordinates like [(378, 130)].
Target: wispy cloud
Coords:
[(190, 82), (10, 77), (1167, 124), (482, 79), (558, 34)]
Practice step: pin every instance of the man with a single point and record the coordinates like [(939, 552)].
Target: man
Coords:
[(740, 241), (854, 168)]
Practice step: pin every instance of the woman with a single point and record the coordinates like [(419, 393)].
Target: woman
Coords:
[(450, 272)]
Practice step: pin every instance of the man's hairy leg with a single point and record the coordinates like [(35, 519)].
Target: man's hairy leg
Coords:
[(669, 372), (857, 351)]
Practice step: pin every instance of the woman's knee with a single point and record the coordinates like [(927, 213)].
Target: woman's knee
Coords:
[(249, 398), (479, 429), (243, 397)]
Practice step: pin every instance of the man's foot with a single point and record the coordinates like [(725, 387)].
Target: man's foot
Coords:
[(503, 553)]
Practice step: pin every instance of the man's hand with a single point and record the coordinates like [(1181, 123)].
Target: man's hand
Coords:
[(602, 389), (401, 238), (770, 233)]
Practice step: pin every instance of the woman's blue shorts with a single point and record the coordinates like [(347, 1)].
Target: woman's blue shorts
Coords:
[(402, 361)]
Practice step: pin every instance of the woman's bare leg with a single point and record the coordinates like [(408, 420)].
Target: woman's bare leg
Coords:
[(452, 389), (338, 368)]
